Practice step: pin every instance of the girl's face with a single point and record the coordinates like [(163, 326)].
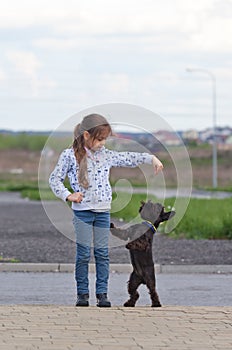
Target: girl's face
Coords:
[(95, 144)]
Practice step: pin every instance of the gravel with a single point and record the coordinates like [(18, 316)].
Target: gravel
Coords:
[(26, 234)]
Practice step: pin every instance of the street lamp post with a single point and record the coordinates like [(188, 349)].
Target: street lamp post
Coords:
[(213, 80)]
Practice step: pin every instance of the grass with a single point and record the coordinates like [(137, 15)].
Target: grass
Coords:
[(223, 189), (23, 141), (18, 187), (129, 205), (28, 189), (35, 194), (8, 260), (204, 218)]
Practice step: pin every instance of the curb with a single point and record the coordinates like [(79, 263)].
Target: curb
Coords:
[(114, 268)]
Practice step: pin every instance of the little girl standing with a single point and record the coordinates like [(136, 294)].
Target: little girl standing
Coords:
[(87, 164)]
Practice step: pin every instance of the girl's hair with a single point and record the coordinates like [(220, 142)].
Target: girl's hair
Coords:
[(96, 125)]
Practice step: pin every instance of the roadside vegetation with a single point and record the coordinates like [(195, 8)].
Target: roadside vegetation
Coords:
[(23, 141), (204, 218), (8, 260)]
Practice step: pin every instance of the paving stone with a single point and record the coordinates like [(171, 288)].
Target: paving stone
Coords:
[(64, 327)]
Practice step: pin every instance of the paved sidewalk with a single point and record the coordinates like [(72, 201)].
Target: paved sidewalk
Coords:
[(67, 327)]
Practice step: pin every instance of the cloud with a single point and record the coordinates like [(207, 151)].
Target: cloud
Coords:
[(3, 75), (116, 16), (115, 84), (25, 62), (163, 26), (82, 53), (215, 35), (167, 26), (51, 43), (27, 65), (27, 13)]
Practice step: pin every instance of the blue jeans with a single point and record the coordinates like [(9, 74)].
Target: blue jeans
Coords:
[(92, 228)]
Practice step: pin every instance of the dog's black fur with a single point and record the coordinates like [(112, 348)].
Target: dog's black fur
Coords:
[(140, 246)]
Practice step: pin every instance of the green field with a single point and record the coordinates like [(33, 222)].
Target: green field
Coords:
[(23, 141), (209, 219), (203, 219)]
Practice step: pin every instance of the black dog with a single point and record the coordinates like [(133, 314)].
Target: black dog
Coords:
[(140, 246)]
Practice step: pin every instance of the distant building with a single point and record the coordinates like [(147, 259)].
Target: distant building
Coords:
[(191, 135), (168, 138), (229, 140)]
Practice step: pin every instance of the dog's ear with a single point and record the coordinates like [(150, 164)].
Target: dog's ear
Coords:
[(142, 205), (167, 215), (151, 211)]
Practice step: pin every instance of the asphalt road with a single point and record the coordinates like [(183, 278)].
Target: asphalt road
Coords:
[(59, 288)]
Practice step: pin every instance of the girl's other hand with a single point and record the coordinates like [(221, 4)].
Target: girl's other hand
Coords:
[(75, 197), (157, 165)]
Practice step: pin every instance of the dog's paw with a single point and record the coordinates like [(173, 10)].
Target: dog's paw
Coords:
[(128, 303), (156, 304)]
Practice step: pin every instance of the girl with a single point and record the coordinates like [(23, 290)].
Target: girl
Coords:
[(87, 164)]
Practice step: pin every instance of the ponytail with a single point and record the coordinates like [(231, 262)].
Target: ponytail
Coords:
[(80, 154), (94, 124)]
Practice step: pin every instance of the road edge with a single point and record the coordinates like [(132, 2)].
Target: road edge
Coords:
[(114, 268)]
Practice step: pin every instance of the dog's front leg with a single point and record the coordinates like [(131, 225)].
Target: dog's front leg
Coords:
[(133, 284), (129, 233), (118, 232)]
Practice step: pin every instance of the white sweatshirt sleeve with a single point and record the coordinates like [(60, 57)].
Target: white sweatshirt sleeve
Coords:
[(128, 159), (57, 177)]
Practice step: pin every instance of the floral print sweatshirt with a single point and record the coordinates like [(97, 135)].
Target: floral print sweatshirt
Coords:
[(98, 195)]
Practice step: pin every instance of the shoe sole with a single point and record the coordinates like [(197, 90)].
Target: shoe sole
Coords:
[(82, 305), (103, 305)]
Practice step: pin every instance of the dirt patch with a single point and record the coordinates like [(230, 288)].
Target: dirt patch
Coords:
[(201, 160), (11, 160)]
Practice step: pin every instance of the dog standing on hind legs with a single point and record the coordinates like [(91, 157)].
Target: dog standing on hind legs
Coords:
[(140, 247)]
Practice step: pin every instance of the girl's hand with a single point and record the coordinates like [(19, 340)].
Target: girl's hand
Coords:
[(157, 165), (75, 197)]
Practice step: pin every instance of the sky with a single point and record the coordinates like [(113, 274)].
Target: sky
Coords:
[(61, 57)]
